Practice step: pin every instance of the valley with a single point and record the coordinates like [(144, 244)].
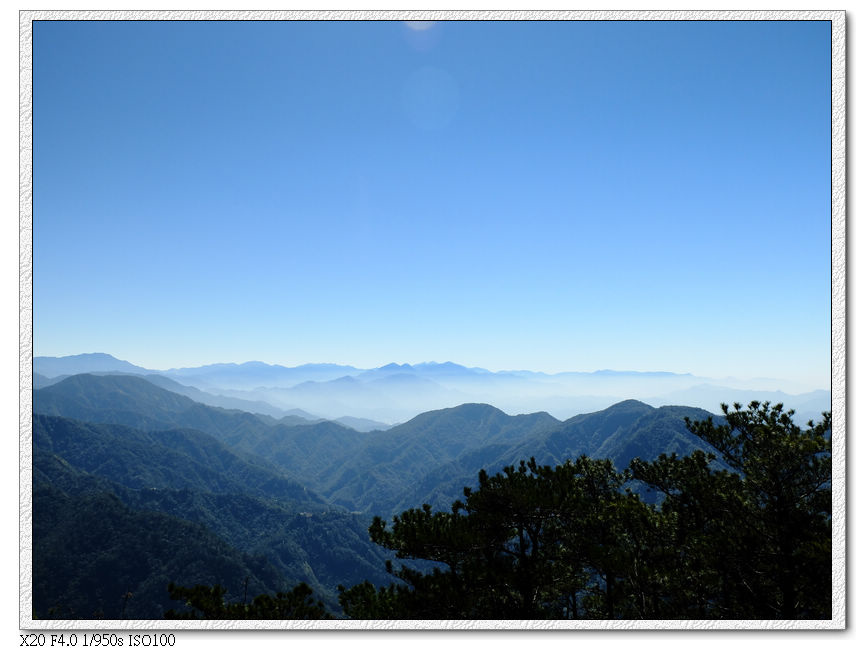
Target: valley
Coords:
[(238, 492)]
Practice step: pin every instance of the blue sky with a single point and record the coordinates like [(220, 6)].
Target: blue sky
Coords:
[(544, 196)]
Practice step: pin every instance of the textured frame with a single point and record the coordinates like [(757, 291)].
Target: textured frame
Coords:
[(838, 317)]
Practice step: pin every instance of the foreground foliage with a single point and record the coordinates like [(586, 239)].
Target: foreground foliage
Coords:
[(743, 533)]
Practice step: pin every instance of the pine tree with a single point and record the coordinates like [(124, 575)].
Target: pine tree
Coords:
[(752, 525), (744, 533)]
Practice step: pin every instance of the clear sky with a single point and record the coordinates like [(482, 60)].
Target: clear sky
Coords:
[(545, 196)]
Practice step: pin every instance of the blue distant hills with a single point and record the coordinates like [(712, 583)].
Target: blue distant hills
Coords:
[(140, 479), (378, 397), (136, 485)]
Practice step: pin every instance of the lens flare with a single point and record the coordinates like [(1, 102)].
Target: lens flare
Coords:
[(419, 25)]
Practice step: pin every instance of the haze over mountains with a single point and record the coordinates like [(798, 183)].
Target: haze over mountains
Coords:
[(233, 497), (247, 493), (367, 399)]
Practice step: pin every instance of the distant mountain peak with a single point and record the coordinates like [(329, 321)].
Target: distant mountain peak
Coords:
[(79, 363), (473, 407), (630, 403), (436, 364), (256, 364), (396, 366), (87, 356), (346, 380)]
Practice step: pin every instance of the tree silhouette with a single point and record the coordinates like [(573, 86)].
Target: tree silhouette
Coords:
[(744, 534)]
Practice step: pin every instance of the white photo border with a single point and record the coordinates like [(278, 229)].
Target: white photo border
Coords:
[(838, 317)]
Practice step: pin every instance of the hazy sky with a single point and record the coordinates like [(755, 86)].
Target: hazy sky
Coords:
[(544, 196)]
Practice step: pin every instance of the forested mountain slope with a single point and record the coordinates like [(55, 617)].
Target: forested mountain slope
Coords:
[(279, 503), (133, 475), (429, 458)]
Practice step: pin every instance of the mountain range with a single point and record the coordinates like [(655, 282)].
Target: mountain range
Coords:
[(259, 502), (375, 398)]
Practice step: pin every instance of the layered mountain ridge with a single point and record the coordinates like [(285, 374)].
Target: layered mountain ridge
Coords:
[(259, 501), (379, 397)]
